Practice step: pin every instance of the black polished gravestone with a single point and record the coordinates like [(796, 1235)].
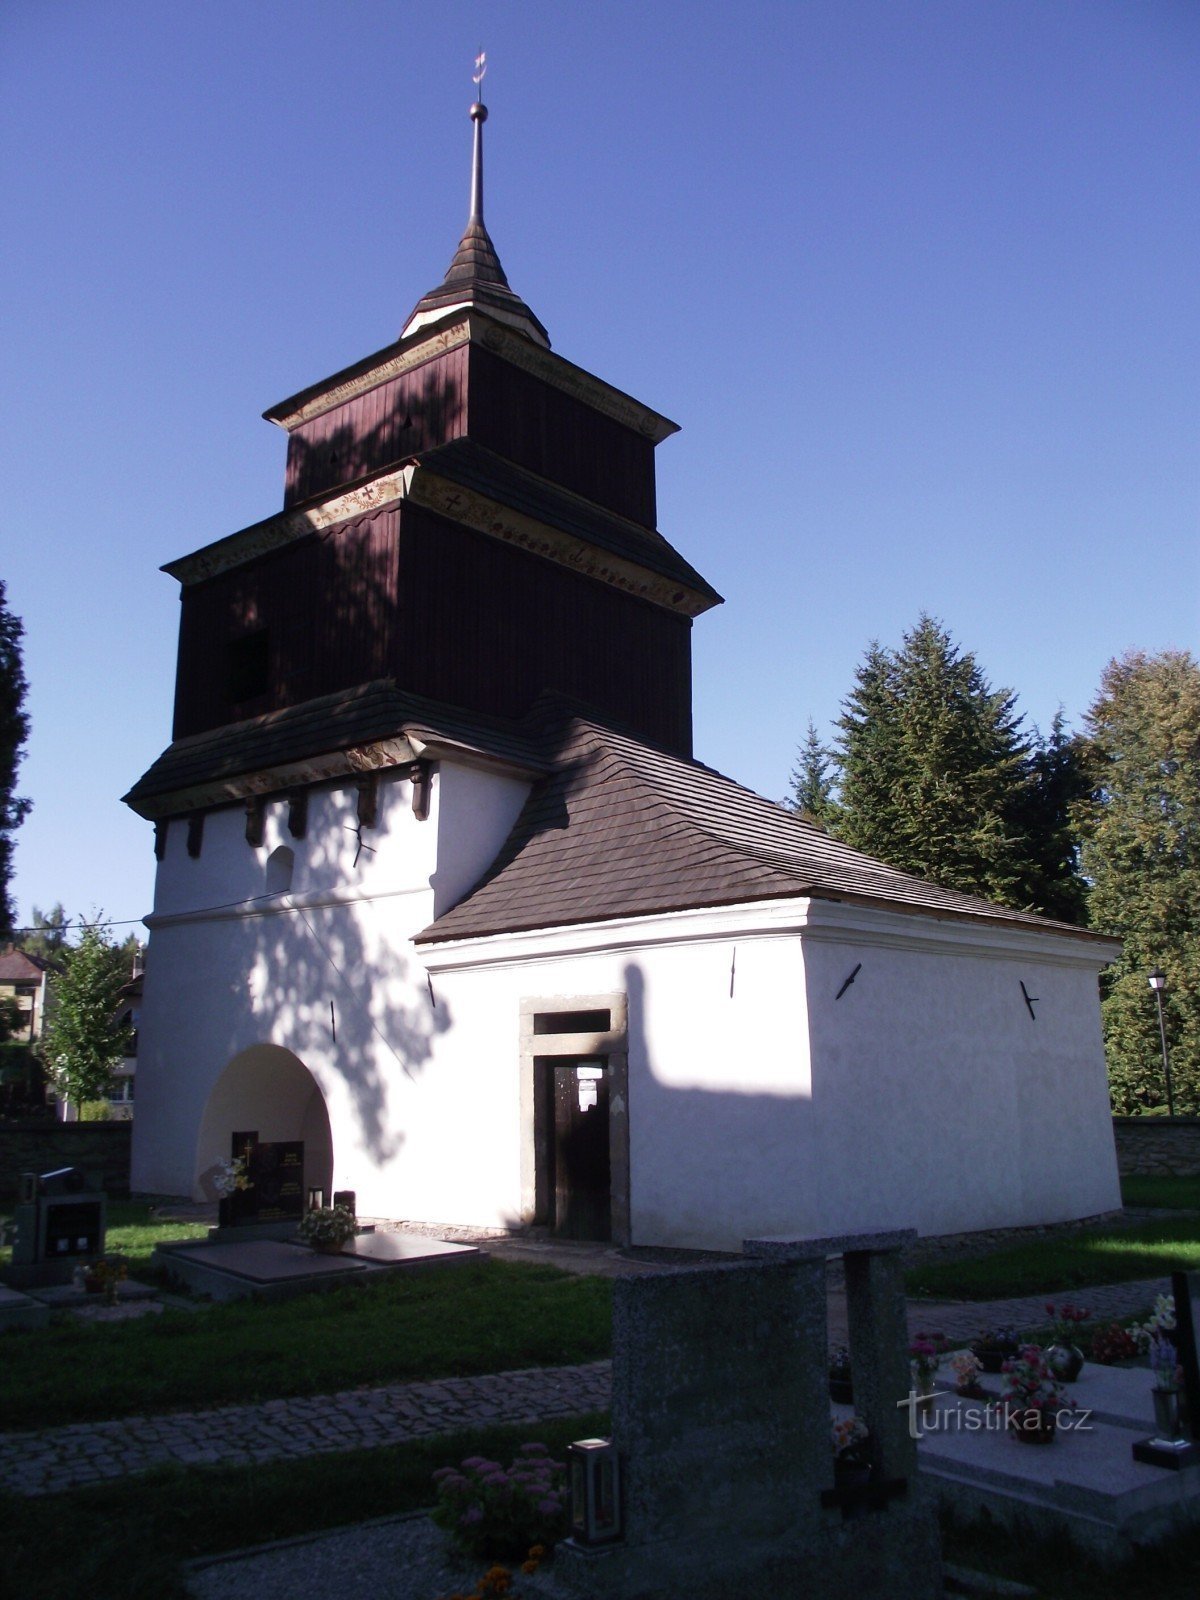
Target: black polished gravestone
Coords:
[(276, 1189)]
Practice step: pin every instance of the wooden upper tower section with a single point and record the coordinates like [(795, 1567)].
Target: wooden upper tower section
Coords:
[(466, 513)]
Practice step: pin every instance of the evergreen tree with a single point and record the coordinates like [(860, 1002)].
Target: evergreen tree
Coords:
[(81, 1046), (812, 786), (48, 935), (1141, 856), (1059, 783), (14, 730), (936, 776)]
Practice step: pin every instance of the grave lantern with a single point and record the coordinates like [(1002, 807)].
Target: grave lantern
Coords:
[(316, 1199), (595, 1491)]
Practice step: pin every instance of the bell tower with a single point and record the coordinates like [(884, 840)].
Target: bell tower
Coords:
[(466, 514)]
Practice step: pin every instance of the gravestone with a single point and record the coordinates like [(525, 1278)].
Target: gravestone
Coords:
[(276, 1192), (59, 1225), (721, 1418)]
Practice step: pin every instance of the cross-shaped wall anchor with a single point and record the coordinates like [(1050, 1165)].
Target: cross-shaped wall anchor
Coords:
[(1031, 1000)]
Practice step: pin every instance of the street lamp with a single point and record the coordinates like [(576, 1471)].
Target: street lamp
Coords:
[(1158, 982)]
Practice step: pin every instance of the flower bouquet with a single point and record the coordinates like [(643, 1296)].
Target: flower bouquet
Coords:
[(1033, 1397), (327, 1228)]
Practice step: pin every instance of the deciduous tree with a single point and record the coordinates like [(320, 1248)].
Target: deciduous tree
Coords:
[(81, 1046), (1141, 855)]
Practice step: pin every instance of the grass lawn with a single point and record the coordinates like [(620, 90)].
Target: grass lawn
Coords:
[(1172, 1194), (133, 1232), (463, 1320), (1074, 1261), (128, 1539)]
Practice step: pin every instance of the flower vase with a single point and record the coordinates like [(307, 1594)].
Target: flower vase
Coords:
[(1167, 1425), (1065, 1361), (1032, 1425)]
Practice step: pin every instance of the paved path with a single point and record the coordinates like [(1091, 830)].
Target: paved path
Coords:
[(53, 1459), (49, 1460)]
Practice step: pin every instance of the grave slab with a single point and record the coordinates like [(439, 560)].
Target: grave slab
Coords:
[(276, 1269), (19, 1310), (395, 1249), (1085, 1483)]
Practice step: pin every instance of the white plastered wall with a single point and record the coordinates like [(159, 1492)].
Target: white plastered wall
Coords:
[(760, 1103), (326, 971)]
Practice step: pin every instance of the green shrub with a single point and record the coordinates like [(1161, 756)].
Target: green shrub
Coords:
[(95, 1111)]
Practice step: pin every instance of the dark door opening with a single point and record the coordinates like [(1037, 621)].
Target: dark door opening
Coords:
[(571, 1141)]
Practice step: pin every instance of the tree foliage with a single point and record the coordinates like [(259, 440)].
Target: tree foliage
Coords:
[(14, 730), (1141, 854), (812, 790), (81, 1046), (48, 935), (938, 779)]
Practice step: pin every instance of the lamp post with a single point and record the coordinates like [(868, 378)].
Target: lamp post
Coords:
[(1158, 982)]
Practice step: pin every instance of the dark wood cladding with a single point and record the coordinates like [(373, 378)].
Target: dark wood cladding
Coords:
[(549, 432), (491, 626), (469, 391), (446, 612), (328, 605), (415, 411)]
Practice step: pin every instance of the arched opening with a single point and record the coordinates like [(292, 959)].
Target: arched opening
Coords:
[(268, 1091), (281, 863)]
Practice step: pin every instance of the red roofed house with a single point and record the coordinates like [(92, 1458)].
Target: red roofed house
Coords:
[(443, 892)]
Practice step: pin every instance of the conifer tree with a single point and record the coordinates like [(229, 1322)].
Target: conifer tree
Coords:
[(936, 775), (1141, 856), (812, 790), (14, 730)]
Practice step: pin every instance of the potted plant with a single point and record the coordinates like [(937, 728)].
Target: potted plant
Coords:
[(995, 1346), (499, 1513), (327, 1228), (851, 1440), (105, 1277), (1032, 1397), (924, 1358), (1112, 1346), (966, 1369), (1064, 1357), (1164, 1364), (841, 1386)]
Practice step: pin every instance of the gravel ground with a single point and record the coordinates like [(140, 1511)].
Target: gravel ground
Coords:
[(393, 1558)]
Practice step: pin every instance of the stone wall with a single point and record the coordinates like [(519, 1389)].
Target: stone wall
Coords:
[(101, 1149), (1167, 1147)]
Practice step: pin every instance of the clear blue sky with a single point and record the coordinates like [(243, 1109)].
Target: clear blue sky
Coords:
[(918, 280)]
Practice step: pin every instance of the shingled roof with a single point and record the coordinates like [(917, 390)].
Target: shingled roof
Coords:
[(620, 829), (331, 733)]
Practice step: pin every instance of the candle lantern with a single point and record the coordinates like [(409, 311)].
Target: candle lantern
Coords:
[(595, 1491), (316, 1199)]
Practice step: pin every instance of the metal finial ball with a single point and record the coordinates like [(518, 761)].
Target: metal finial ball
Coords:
[(478, 112)]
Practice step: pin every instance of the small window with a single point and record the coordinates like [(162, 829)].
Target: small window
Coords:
[(248, 664), (572, 1022), (281, 863)]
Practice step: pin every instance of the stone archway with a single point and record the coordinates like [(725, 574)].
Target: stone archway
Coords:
[(269, 1091)]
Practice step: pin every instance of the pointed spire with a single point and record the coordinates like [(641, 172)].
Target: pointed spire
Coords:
[(475, 276)]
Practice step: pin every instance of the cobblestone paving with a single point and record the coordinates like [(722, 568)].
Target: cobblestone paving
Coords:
[(49, 1460), (54, 1459)]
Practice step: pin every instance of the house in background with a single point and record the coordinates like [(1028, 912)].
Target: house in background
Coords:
[(126, 1017), (23, 981), (443, 893)]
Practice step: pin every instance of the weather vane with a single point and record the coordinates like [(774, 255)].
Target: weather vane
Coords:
[(477, 75)]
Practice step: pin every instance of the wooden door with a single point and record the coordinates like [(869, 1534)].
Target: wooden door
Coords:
[(581, 1179)]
